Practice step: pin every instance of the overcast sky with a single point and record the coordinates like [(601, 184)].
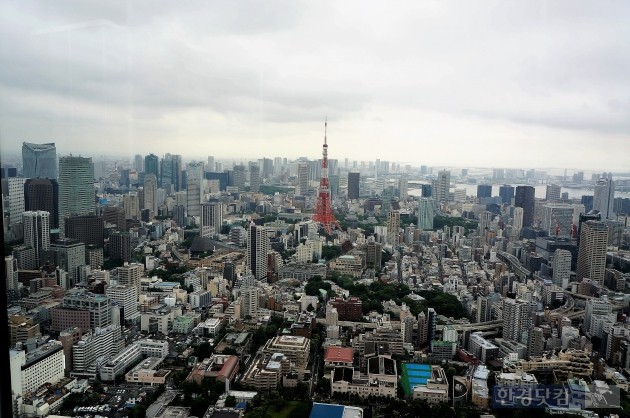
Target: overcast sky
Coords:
[(457, 83)]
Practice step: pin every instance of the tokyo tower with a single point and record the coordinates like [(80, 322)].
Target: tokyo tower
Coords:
[(324, 214)]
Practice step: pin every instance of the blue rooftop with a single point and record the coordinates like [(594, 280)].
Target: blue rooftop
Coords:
[(321, 410)]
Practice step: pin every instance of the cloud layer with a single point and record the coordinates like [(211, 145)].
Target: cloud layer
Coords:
[(521, 84)]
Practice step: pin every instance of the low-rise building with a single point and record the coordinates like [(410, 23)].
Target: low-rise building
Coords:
[(338, 356), (381, 379), (217, 367), (436, 388), (208, 328), (148, 372)]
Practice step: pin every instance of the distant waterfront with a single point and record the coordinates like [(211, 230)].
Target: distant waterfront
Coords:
[(471, 190)]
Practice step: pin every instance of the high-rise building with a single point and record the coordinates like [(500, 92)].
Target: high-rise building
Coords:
[(43, 365), (426, 190), (211, 219), (193, 196), (604, 197), (138, 163), (151, 165), (403, 188), (484, 190), (425, 213), (39, 160), (254, 178), (561, 268), (553, 192), (120, 246), (88, 229), (125, 296), (258, 247), (42, 194), (16, 199), (302, 179), (131, 205), (249, 301), (37, 233), (592, 252), (517, 318), (76, 188), (506, 192), (11, 273), (484, 309), (442, 186), (393, 228), (517, 219), (129, 274), (150, 193), (99, 306), (525, 198), (70, 256), (211, 166), (238, 176), (354, 179), (557, 218), (170, 173), (373, 255), (115, 216)]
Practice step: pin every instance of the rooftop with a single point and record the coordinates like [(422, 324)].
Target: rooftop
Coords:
[(336, 353)]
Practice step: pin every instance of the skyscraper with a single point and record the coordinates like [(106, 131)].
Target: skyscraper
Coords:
[(39, 160), (254, 178), (393, 228), (138, 163), (354, 179), (211, 166), (258, 247), (553, 192), (443, 185), (557, 219), (425, 213), (170, 173), (302, 180), (238, 176), (150, 193), (193, 196), (88, 229), (592, 251), (506, 192), (43, 194), (37, 232), (604, 197), (484, 190), (403, 188), (76, 188), (69, 255), (151, 164), (16, 199), (525, 198), (211, 219)]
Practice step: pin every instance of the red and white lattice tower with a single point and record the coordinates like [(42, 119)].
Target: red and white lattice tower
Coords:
[(324, 214)]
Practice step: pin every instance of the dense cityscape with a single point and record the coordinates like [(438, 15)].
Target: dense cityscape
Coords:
[(154, 286), (315, 209)]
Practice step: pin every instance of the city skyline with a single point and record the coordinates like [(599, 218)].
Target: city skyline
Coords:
[(506, 84)]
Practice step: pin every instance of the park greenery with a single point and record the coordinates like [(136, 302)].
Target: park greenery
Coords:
[(440, 222), (375, 293)]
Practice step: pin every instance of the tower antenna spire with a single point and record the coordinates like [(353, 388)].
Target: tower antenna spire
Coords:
[(323, 213)]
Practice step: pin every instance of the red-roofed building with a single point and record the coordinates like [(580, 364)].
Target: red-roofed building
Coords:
[(338, 356), (218, 367)]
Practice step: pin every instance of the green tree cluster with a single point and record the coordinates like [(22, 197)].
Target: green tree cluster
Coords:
[(440, 221), (443, 303)]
